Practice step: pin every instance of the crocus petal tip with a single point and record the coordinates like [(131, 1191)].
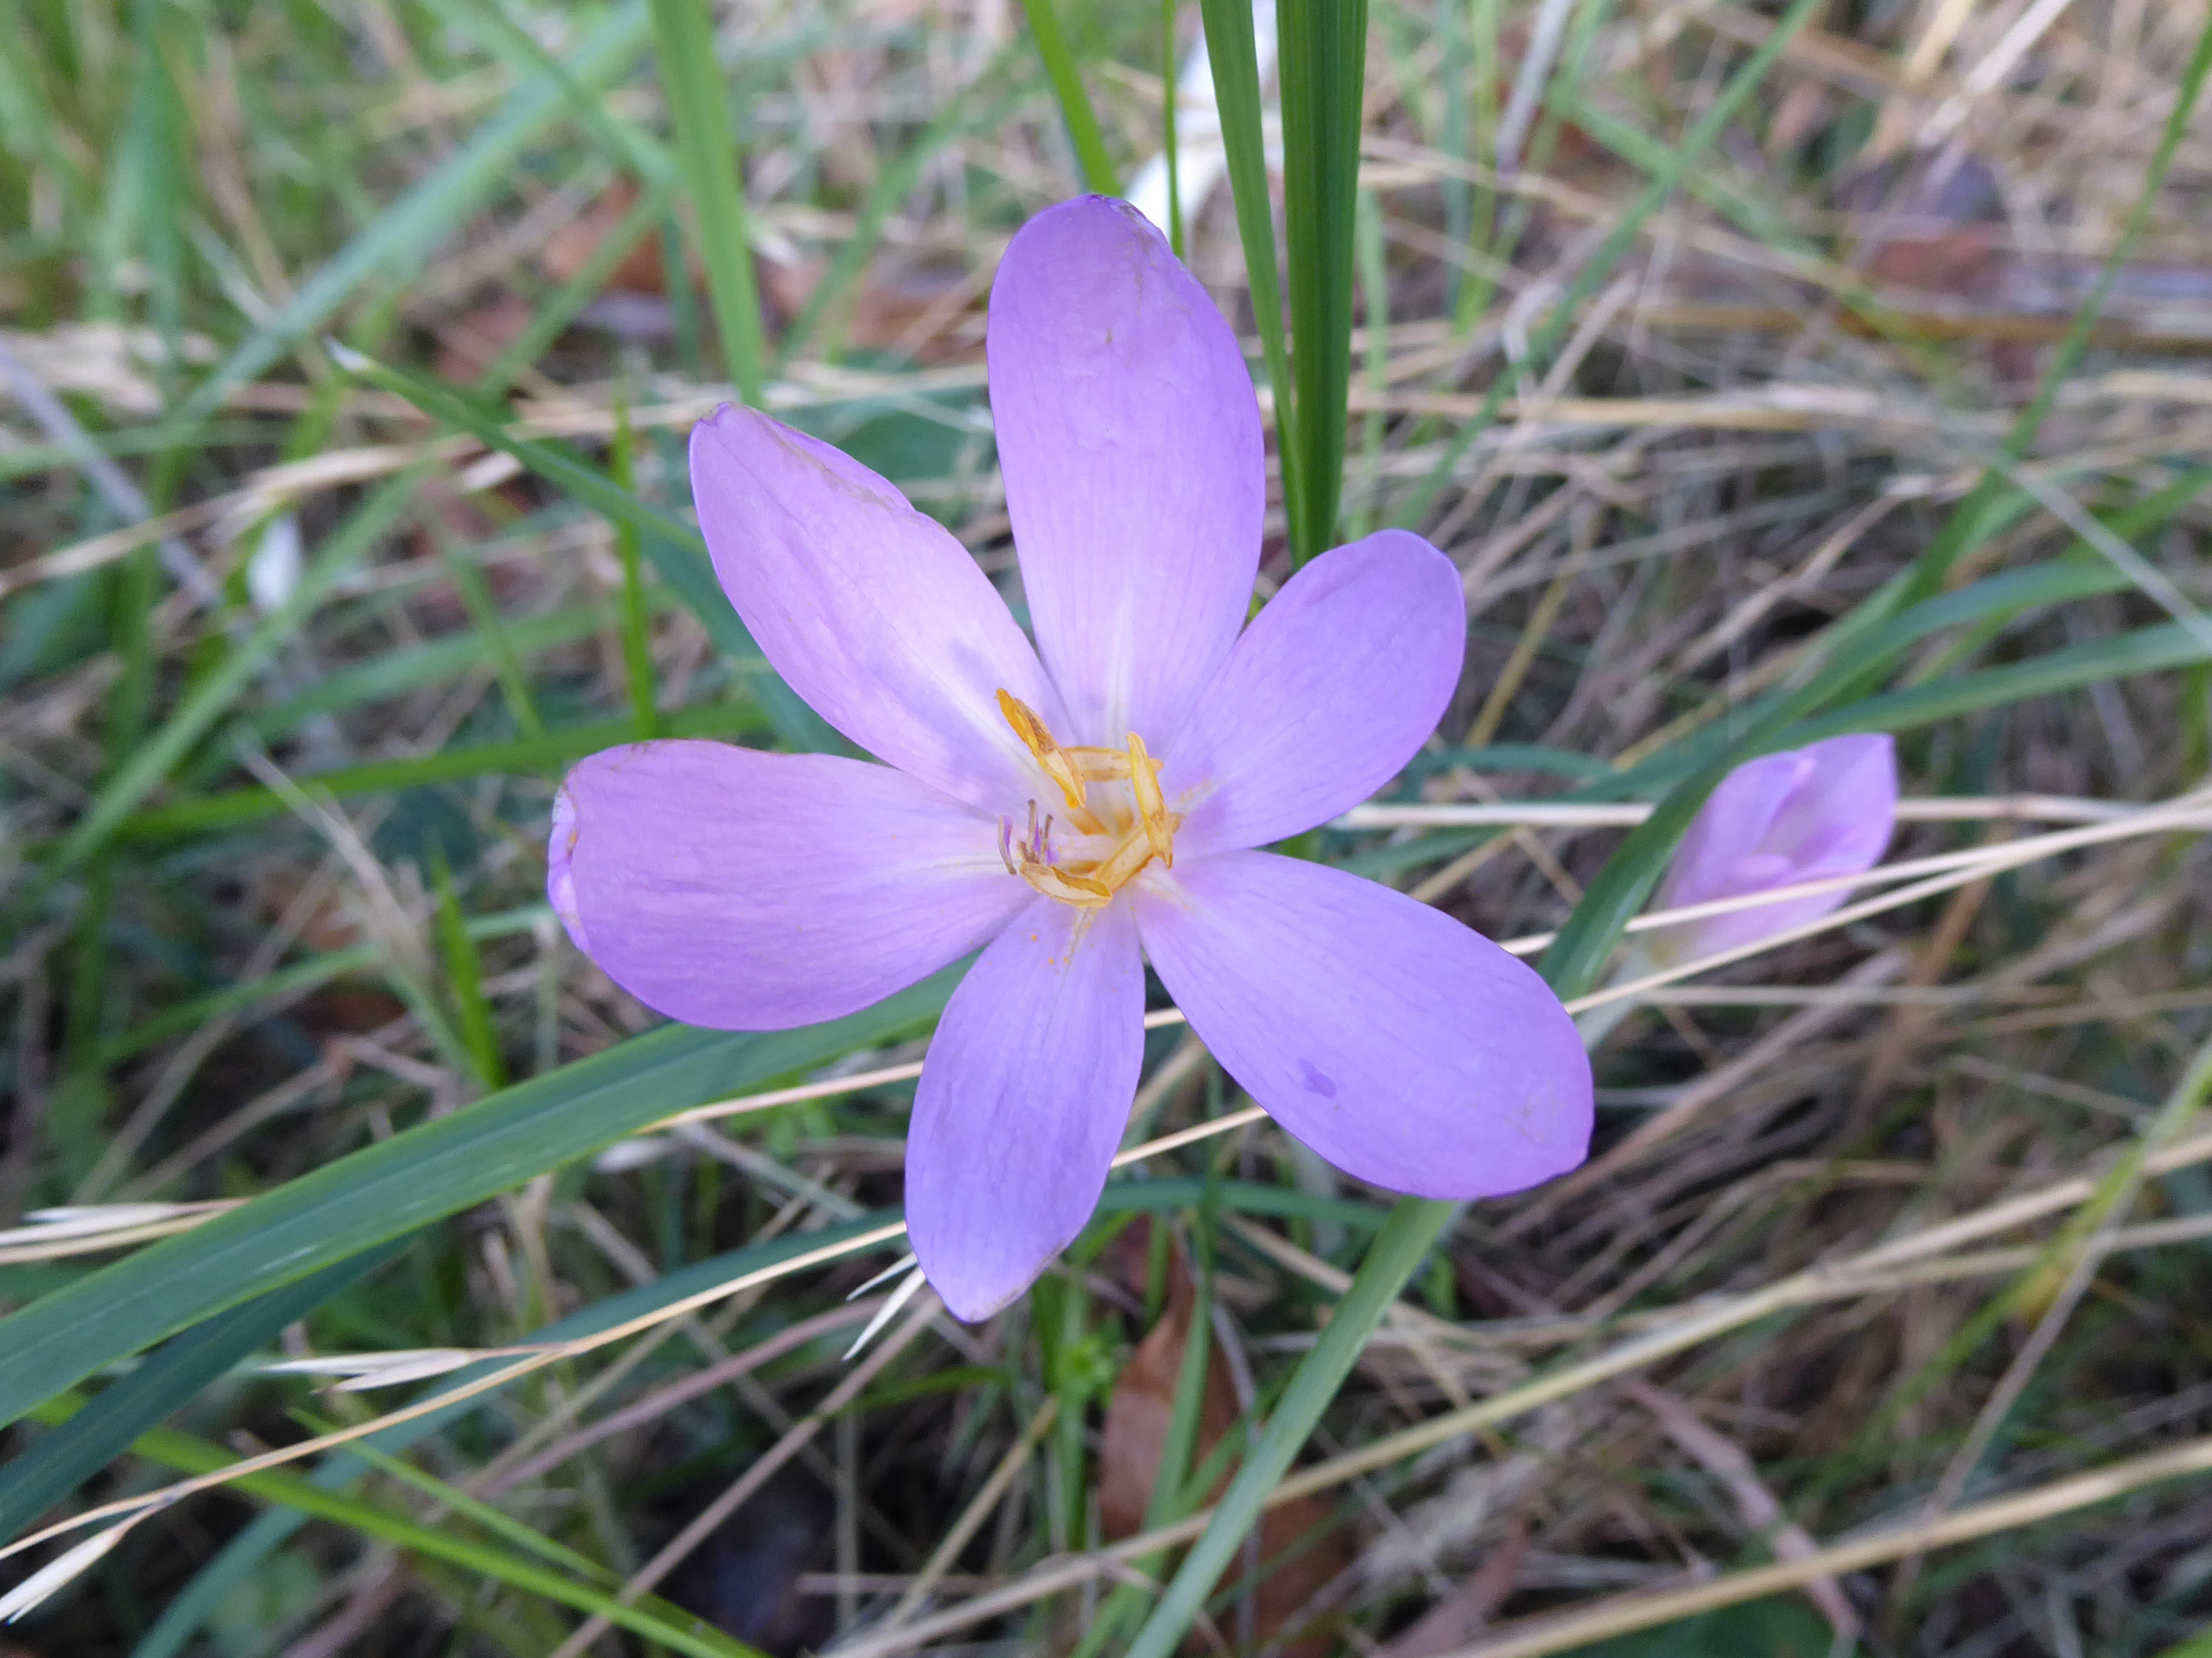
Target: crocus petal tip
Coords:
[(561, 867)]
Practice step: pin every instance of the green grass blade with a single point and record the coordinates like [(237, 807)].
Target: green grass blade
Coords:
[(410, 668), (1059, 59), (430, 1171), (181, 1619), (1406, 1238), (678, 552), (1956, 538), (1548, 338), (1170, 80), (970, 110), (468, 579), (1234, 57), (541, 754), (429, 212), (181, 1018), (473, 1510), (206, 703), (56, 1463), (479, 1034), (1324, 65), (706, 149), (636, 639), (552, 318), (648, 1615), (2072, 667)]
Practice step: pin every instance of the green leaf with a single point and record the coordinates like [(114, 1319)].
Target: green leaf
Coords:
[(636, 637), (1059, 59), (211, 697), (1958, 537), (242, 1556), (706, 147), (403, 234), (1234, 56), (58, 1462), (1406, 1238), (1552, 332), (648, 1615), (479, 1034), (968, 112), (2145, 650), (678, 551), (527, 754), (423, 1174), (1324, 65)]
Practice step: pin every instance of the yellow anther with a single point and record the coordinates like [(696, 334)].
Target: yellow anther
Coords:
[(1057, 763), (1151, 805), (1079, 873), (1084, 891)]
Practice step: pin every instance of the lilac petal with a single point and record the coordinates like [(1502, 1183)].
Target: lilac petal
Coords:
[(560, 867), (749, 892), (874, 613), (1405, 1048), (1778, 821), (1135, 476), (1023, 1099), (1331, 690)]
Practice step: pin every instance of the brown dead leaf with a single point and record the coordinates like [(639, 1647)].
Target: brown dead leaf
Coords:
[(1144, 1401), (918, 313), (471, 341), (1301, 1548), (568, 249)]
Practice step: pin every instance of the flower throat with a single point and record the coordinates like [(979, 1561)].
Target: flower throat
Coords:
[(1112, 838)]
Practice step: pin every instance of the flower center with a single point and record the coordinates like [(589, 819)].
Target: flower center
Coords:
[(1115, 831)]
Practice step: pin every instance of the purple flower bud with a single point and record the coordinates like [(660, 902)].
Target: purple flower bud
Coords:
[(1779, 821)]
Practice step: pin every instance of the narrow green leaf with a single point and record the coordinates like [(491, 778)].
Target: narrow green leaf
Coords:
[(648, 1615), (538, 754), (678, 551), (1234, 56), (637, 640), (1956, 536), (179, 1017), (1170, 84), (422, 1175), (468, 579), (1059, 59), (211, 697), (1323, 45), (396, 672), (1406, 1238), (706, 147), (1553, 331), (970, 110), (59, 1461), (181, 1619), (479, 1034), (2072, 667), (405, 233)]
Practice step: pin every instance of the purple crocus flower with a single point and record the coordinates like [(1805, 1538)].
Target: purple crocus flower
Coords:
[(1072, 808), (1802, 815)]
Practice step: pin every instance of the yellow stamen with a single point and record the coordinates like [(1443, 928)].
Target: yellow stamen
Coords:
[(1084, 891), (1057, 762), (1151, 805), (1086, 879)]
